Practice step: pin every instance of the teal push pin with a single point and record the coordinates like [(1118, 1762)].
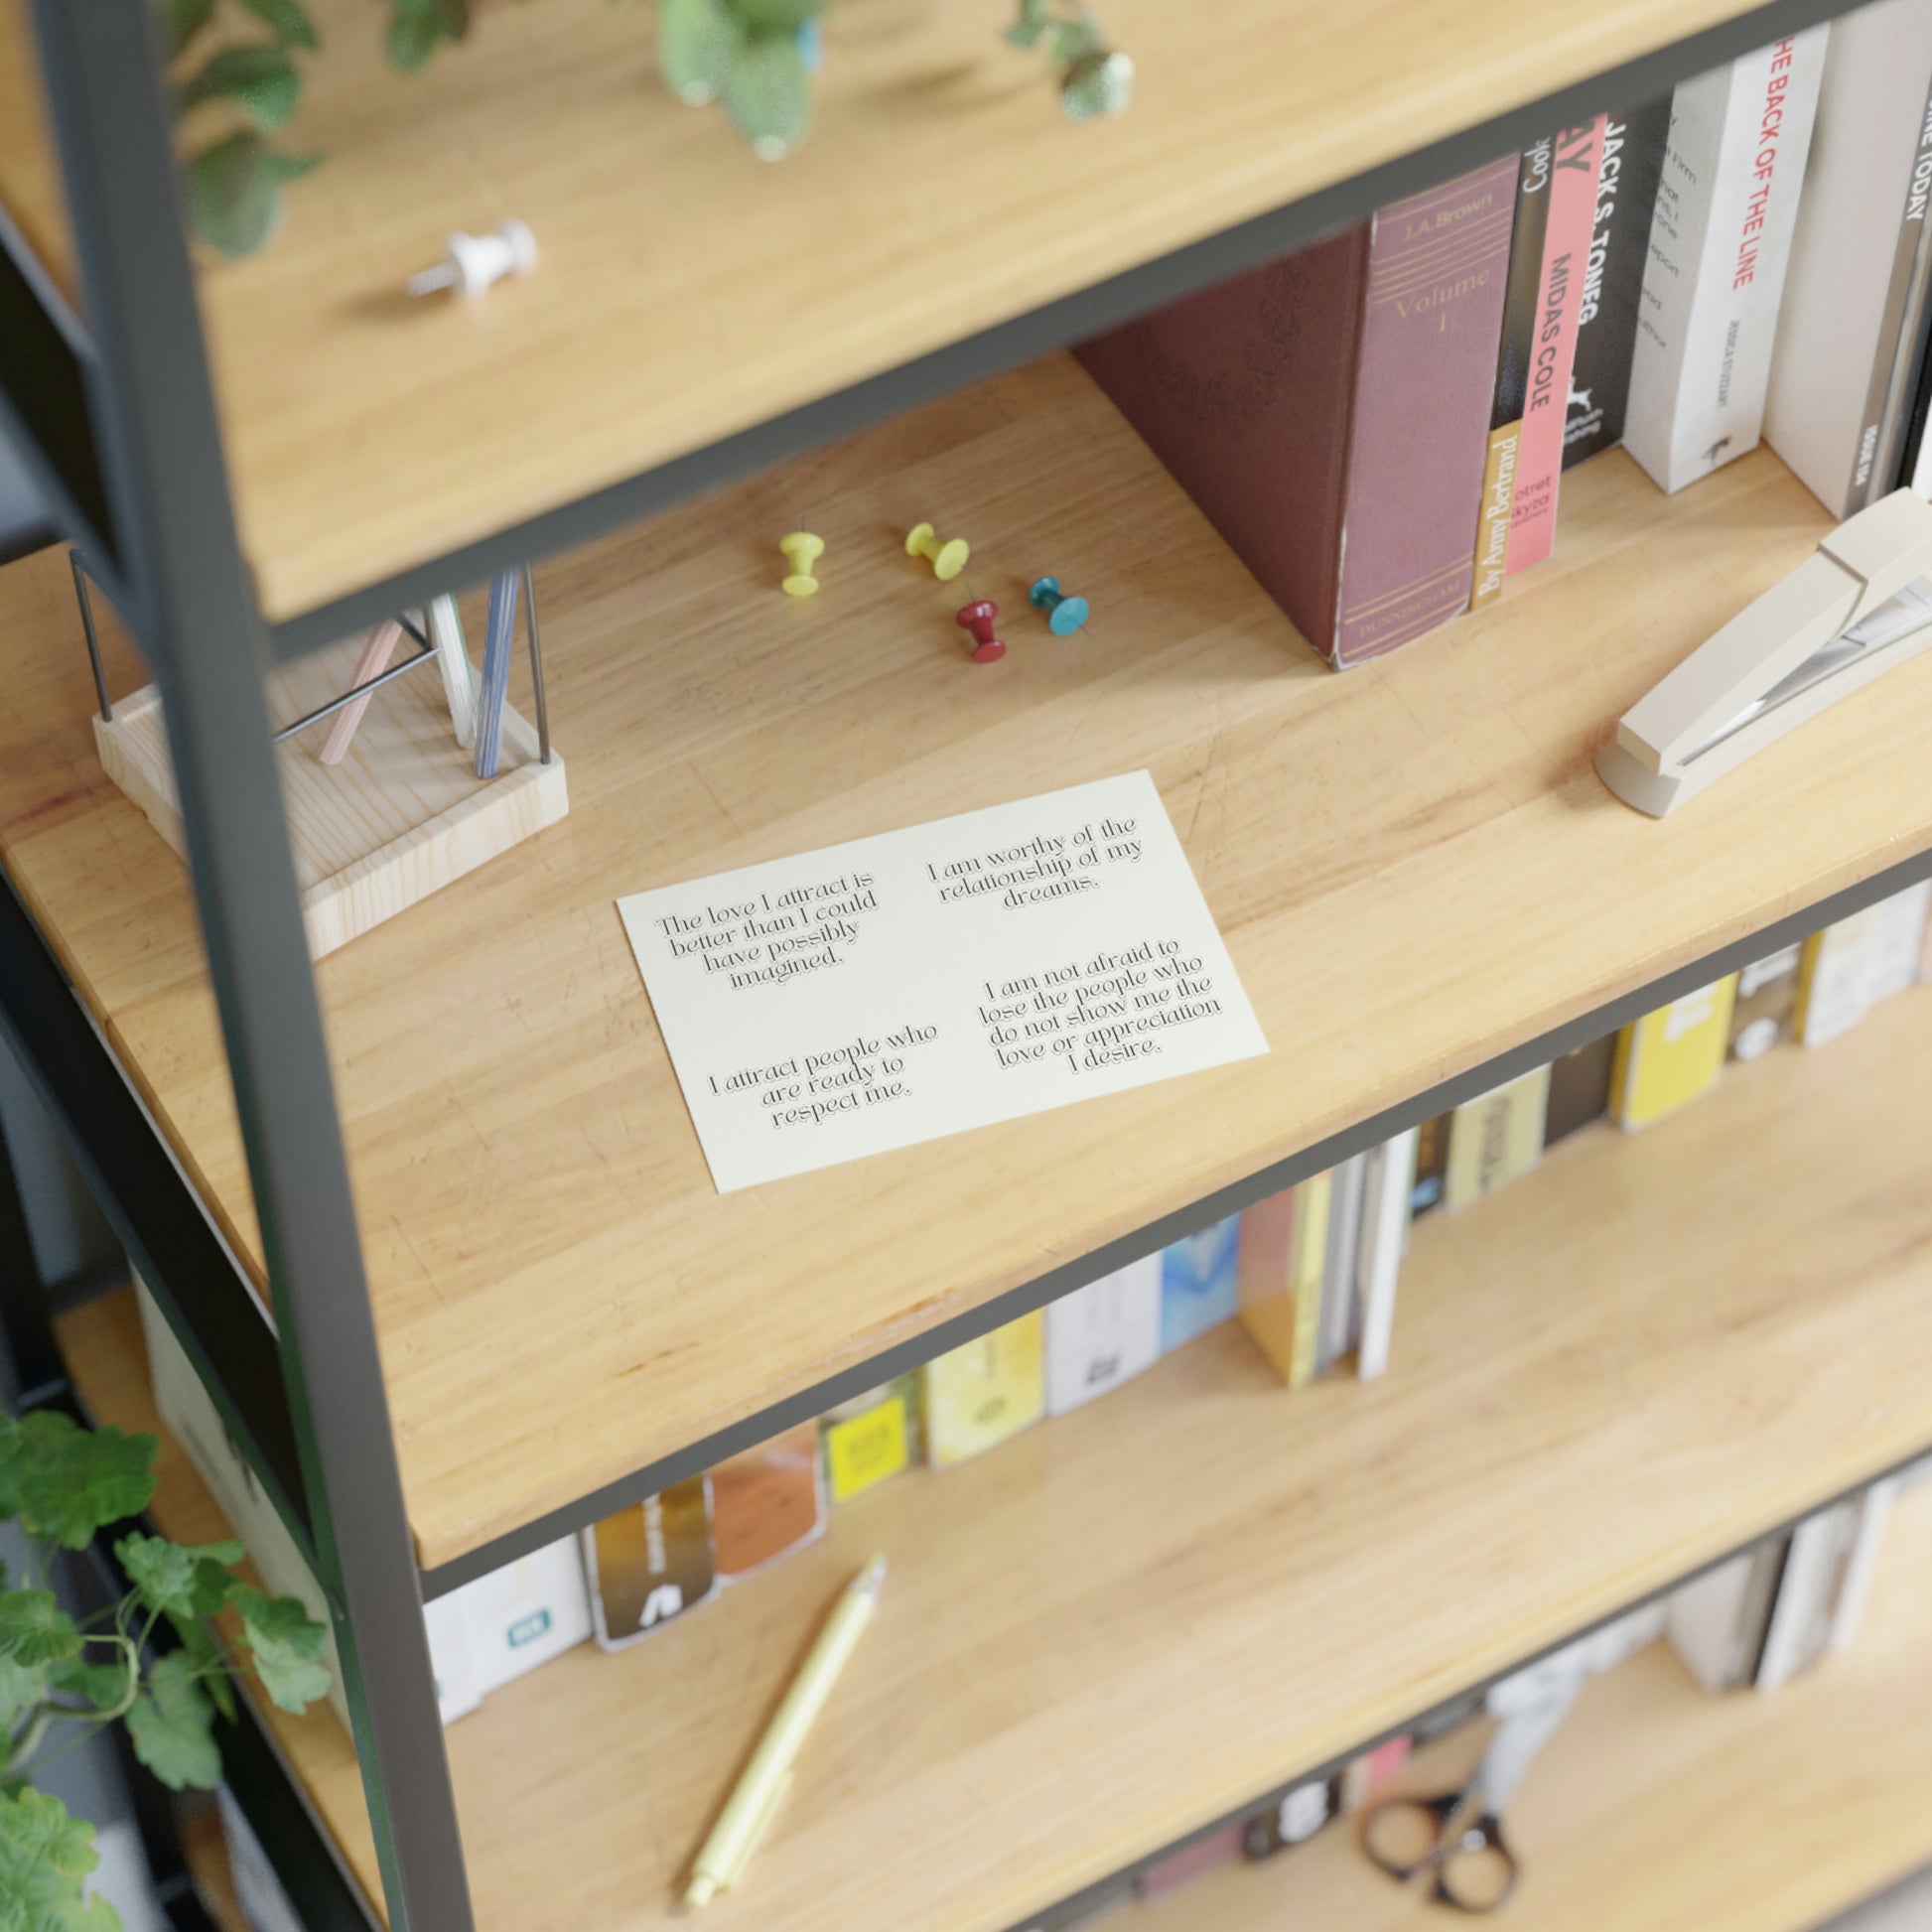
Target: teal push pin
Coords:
[(1065, 614)]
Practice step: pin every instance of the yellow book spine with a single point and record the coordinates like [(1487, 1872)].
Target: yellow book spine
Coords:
[(1671, 1057), (1498, 501), (1265, 1278), (982, 1393), (1310, 1261)]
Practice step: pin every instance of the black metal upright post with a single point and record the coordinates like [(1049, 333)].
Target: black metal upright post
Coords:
[(194, 611)]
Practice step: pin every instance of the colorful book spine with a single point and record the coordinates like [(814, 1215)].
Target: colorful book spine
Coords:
[(1580, 1088), (986, 1391), (1573, 174), (1495, 1138), (1326, 411), (1607, 324), (1766, 1005), (1720, 244), (1103, 1334), (1854, 257), (1516, 349), (1671, 1057), (1265, 1287), (1198, 1286), (767, 1503), (650, 1564), (871, 1438), (1307, 1274), (1432, 1165)]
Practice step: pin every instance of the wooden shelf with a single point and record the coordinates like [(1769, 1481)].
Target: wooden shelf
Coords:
[(1415, 868), (30, 172), (688, 291), (1132, 1619), (1660, 1806)]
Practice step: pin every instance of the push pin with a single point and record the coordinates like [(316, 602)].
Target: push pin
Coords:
[(1065, 614), (802, 550), (470, 262), (948, 559), (978, 619)]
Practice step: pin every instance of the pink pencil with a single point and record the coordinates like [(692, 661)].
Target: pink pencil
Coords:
[(374, 661)]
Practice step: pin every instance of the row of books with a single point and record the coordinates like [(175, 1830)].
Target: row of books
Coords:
[(1379, 423), (1754, 1622), (1310, 1273)]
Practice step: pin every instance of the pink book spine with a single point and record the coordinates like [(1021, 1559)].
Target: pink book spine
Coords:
[(1566, 255)]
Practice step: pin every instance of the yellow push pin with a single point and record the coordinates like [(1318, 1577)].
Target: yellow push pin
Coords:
[(802, 550), (948, 559)]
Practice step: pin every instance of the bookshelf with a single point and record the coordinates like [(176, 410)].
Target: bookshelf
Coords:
[(1132, 1621), (526, 1175), (1660, 1806), (930, 132), (531, 1305)]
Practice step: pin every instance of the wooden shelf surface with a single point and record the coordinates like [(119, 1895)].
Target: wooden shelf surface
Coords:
[(688, 291), (1132, 1621), (1414, 864), (30, 172), (1660, 1806)]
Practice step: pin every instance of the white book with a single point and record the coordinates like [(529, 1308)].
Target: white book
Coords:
[(1720, 245), (1808, 1573), (1716, 1622), (1389, 1184), (1859, 961), (526, 1614), (1855, 256), (1872, 1511), (1339, 1286), (1103, 1334)]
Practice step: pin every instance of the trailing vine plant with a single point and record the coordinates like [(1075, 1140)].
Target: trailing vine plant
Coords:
[(61, 1681)]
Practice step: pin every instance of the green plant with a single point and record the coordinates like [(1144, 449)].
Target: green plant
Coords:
[(60, 1680), (754, 57), (1094, 79)]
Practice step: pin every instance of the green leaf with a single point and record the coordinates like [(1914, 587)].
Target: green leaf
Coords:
[(102, 1687), (171, 1724), (234, 194), (1029, 22), (34, 1629), (44, 1859), (263, 80), (769, 96), (1098, 85), (20, 1685), (73, 1481), (286, 20), (181, 21), (287, 1643), (419, 27), (776, 16), (13, 1457), (208, 1658), (178, 1578), (698, 42)]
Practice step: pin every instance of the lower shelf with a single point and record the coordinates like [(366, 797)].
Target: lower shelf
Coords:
[(1660, 1806), (1132, 1621)]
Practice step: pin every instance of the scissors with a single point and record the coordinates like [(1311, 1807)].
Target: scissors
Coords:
[(1456, 1837)]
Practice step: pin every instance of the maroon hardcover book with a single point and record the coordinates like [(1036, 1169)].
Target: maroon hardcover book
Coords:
[(1330, 412)]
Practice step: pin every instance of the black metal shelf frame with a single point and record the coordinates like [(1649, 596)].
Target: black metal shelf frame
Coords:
[(116, 418)]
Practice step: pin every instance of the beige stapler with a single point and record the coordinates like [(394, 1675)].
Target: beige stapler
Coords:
[(1854, 609)]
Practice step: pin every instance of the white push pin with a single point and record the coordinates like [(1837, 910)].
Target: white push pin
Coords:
[(472, 262)]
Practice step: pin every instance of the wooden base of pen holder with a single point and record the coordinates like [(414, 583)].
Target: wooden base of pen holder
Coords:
[(400, 817)]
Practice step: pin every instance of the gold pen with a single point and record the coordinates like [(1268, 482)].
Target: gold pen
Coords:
[(759, 1791)]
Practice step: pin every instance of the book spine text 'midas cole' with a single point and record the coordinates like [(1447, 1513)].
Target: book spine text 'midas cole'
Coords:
[(1328, 412), (1720, 244), (1574, 170)]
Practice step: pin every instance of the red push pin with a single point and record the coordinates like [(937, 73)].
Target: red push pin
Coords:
[(978, 619)]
